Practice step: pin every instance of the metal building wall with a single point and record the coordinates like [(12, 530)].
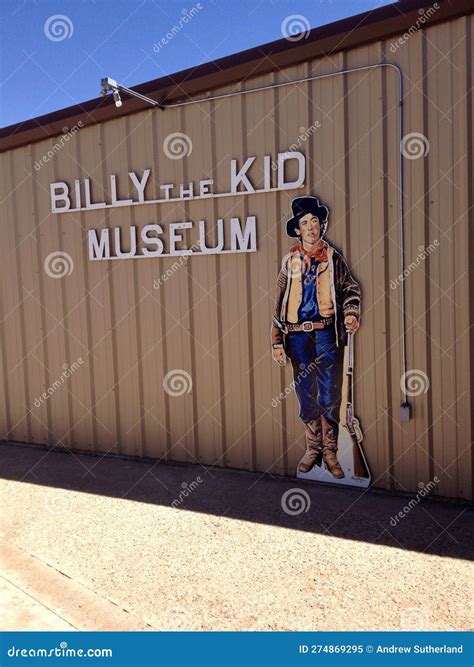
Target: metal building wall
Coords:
[(212, 317)]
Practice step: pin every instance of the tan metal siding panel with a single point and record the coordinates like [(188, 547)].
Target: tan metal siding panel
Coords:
[(379, 145), (470, 221), (462, 84), (53, 306), (101, 359), (37, 337), (177, 315), (29, 364), (416, 459), (149, 315), (125, 303), (440, 268), (14, 306), (201, 281), (72, 321), (445, 191), (407, 439), (228, 124), (460, 345), (259, 388)]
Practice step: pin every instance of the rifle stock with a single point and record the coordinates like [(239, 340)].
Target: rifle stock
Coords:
[(360, 466)]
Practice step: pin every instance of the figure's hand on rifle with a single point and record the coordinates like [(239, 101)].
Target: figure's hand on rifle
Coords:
[(278, 354), (352, 323)]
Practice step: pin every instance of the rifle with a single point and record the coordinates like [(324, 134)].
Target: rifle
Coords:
[(361, 468)]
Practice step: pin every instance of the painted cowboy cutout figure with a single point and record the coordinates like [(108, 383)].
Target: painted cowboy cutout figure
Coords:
[(318, 302)]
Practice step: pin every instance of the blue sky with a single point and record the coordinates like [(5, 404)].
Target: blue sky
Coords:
[(47, 64)]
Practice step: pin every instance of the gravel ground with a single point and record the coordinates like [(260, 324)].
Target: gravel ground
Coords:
[(98, 544)]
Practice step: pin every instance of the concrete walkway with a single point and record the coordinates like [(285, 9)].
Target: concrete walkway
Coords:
[(93, 543)]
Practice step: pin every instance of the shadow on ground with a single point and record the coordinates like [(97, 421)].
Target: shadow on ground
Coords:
[(432, 527)]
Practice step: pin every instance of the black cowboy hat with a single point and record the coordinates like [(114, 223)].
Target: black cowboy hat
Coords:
[(303, 205)]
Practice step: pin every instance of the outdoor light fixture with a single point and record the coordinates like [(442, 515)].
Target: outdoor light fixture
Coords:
[(110, 84), (117, 98)]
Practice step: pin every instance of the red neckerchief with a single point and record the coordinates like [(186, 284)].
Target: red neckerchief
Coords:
[(320, 253)]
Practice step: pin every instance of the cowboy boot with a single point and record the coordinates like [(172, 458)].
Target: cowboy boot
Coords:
[(330, 449), (314, 446)]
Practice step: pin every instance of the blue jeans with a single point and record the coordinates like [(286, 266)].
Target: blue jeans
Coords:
[(317, 370)]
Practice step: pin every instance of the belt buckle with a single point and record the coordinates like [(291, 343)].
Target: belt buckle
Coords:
[(307, 326)]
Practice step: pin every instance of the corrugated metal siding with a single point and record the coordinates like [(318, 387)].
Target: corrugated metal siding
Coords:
[(212, 317)]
